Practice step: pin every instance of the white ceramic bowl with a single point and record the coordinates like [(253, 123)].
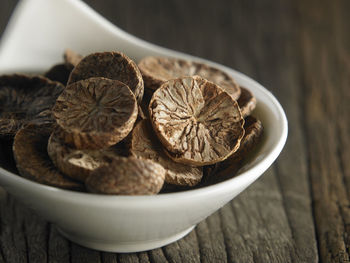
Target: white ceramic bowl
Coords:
[(125, 223)]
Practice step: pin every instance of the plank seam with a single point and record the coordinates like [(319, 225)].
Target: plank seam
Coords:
[(48, 232), (199, 247), (284, 204), (70, 251), (303, 121), (23, 229), (167, 257), (243, 238), (342, 170), (224, 235)]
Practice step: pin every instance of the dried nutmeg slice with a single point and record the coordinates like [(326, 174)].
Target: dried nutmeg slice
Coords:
[(78, 164), (127, 176), (246, 102), (253, 134), (145, 144), (157, 70), (228, 168), (112, 65), (59, 73), (196, 121), (95, 113), (32, 160), (25, 99)]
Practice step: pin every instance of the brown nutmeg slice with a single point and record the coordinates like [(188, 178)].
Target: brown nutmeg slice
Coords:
[(157, 70), (253, 134), (127, 176), (228, 168), (25, 99), (59, 72), (95, 113), (145, 144), (111, 65), (246, 102), (196, 120), (78, 164), (32, 160)]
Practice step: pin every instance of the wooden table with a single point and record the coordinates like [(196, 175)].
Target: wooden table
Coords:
[(299, 210)]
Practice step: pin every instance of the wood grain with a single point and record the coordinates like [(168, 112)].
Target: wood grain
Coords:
[(324, 128), (299, 210)]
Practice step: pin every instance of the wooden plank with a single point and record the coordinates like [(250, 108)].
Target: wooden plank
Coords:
[(324, 129), (12, 239), (277, 62), (211, 246), (36, 234), (143, 257), (128, 258), (184, 250), (274, 68), (58, 246), (157, 256), (81, 254), (108, 257), (261, 223)]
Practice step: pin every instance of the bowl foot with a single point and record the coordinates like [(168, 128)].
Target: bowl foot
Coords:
[(124, 247)]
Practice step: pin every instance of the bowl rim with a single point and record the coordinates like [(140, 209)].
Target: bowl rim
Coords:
[(248, 175)]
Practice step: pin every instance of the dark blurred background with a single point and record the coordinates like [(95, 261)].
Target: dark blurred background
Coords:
[(222, 31)]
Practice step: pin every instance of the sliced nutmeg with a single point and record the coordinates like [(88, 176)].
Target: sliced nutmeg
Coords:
[(32, 160), (228, 168), (127, 176), (111, 65), (253, 134), (78, 164), (25, 99), (196, 120), (145, 144), (59, 72), (71, 58), (246, 102), (95, 113), (157, 70)]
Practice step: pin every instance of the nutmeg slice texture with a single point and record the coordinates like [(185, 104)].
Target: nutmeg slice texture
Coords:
[(229, 167), (59, 72), (25, 99), (111, 65), (145, 144), (78, 164), (246, 102), (127, 176), (157, 70), (196, 121), (95, 113), (32, 160)]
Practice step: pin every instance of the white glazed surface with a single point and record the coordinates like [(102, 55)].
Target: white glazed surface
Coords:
[(34, 40)]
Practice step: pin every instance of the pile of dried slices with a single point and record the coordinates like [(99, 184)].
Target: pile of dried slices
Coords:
[(103, 124)]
